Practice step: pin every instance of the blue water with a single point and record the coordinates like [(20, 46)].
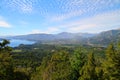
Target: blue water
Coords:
[(15, 42)]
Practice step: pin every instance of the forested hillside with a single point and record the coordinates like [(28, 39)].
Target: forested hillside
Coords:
[(106, 37), (59, 62)]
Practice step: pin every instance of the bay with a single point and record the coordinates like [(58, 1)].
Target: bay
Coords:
[(16, 42)]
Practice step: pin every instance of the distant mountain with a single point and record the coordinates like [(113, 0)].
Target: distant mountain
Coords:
[(106, 37), (103, 38), (34, 37), (50, 37)]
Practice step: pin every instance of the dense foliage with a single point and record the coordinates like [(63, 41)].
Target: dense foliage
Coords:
[(59, 62)]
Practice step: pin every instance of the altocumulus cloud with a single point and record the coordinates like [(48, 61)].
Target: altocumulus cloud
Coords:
[(59, 7), (22, 6)]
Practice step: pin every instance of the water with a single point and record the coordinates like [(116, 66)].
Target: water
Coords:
[(15, 42)]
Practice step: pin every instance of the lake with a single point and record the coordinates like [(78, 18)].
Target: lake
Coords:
[(16, 42)]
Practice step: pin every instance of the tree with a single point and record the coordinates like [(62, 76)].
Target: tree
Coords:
[(112, 63), (57, 68), (4, 46), (6, 69), (77, 61), (89, 69)]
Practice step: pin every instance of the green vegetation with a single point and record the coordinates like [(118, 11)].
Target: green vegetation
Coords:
[(6, 68), (17, 50), (59, 62)]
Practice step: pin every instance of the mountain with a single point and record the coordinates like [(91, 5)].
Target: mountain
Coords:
[(61, 38), (34, 37), (46, 37), (103, 38), (106, 37)]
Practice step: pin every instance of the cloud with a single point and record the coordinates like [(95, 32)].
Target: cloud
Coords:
[(80, 8), (66, 16), (23, 23), (35, 31), (60, 8), (4, 23), (78, 28), (22, 6), (27, 8), (48, 30), (97, 23), (52, 30), (71, 15)]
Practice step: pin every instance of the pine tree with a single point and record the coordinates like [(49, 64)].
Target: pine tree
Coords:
[(89, 69), (56, 68), (77, 61), (112, 63)]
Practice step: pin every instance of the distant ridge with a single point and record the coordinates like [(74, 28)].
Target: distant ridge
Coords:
[(106, 37), (103, 38), (63, 35)]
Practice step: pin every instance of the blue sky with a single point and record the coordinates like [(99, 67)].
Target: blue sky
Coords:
[(18, 17)]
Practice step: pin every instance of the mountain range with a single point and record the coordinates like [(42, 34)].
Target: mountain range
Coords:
[(103, 38)]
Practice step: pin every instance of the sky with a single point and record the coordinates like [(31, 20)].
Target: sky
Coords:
[(21, 17)]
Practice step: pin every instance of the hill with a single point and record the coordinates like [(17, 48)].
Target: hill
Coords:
[(106, 37)]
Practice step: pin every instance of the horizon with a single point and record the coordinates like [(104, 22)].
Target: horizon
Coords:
[(58, 33), (21, 17)]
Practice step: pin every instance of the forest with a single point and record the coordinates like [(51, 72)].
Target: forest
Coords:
[(59, 62)]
